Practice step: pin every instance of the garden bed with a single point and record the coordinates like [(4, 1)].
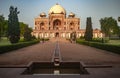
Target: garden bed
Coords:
[(104, 46), (10, 47)]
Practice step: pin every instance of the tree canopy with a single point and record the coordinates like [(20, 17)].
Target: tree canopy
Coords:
[(1, 25), (119, 19), (109, 26), (27, 33), (89, 30), (22, 28)]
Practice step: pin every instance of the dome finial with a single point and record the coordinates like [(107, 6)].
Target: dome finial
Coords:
[(57, 4)]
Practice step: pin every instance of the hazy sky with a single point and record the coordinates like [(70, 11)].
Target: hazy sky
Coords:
[(97, 9)]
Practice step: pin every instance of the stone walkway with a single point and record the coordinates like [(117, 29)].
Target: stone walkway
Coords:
[(88, 55), (69, 52), (38, 52)]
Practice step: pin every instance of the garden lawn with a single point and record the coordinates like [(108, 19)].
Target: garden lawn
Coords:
[(114, 42), (4, 41)]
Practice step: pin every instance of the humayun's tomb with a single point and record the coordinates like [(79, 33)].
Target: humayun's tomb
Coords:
[(57, 24)]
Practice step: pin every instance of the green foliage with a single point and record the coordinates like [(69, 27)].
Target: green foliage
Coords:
[(43, 39), (5, 29), (119, 19), (109, 26), (97, 40), (21, 39), (108, 47), (13, 25), (27, 34), (82, 42), (101, 40), (16, 46), (1, 25), (89, 30), (82, 37), (114, 42), (46, 39), (22, 28), (4, 41), (33, 37), (119, 32)]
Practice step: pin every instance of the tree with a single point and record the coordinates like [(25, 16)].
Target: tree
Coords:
[(22, 28), (27, 33), (13, 25), (1, 25), (119, 26), (5, 29), (109, 26), (89, 30), (119, 19)]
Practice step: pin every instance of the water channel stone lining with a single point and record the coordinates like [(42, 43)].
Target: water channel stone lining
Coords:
[(56, 55)]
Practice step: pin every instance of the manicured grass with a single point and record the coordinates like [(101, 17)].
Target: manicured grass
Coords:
[(4, 41), (114, 42)]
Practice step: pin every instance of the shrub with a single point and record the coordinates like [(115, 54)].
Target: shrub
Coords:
[(46, 39), (43, 39), (82, 37), (27, 34), (108, 47), (106, 40), (101, 40), (16, 46), (97, 40)]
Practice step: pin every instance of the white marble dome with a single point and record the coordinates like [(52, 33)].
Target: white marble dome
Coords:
[(57, 9)]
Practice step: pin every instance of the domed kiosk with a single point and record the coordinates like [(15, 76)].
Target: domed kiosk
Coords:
[(42, 14), (57, 24)]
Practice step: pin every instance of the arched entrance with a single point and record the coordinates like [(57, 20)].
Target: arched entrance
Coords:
[(56, 24), (57, 34), (41, 26)]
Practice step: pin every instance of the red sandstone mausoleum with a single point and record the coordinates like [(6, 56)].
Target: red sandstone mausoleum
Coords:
[(57, 24)]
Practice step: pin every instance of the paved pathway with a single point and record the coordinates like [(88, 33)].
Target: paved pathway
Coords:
[(38, 52), (88, 55), (69, 52)]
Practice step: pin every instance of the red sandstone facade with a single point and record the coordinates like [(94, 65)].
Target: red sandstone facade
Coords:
[(58, 25)]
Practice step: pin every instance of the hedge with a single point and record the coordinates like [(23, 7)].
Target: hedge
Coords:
[(6, 48), (101, 40), (108, 47)]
